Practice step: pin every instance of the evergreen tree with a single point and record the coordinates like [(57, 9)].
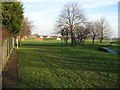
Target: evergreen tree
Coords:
[(12, 17)]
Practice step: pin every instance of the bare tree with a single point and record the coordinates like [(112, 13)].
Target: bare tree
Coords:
[(27, 26), (104, 29), (82, 33), (94, 29), (70, 17), (26, 31)]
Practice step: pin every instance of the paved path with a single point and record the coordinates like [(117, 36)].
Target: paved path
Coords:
[(10, 74)]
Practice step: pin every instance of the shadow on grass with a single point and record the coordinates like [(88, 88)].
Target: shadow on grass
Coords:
[(92, 66), (83, 57), (48, 45), (73, 61), (50, 61)]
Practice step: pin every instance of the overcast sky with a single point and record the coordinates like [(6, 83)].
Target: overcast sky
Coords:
[(44, 13)]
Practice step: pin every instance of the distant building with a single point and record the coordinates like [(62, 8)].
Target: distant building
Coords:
[(58, 38), (40, 38), (33, 36), (48, 37)]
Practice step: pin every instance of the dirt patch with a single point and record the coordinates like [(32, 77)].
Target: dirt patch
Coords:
[(10, 74)]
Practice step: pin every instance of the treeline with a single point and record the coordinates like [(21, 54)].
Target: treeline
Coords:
[(15, 26), (72, 22), (14, 23)]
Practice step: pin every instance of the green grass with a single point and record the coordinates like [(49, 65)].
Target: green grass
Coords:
[(48, 64)]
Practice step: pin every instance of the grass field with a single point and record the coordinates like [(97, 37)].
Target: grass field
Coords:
[(49, 64)]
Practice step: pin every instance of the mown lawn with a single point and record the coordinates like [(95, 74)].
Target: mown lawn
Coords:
[(49, 64)]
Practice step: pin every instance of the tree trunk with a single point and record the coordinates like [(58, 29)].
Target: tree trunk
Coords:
[(17, 42), (101, 39), (72, 39), (93, 39), (20, 41), (83, 41)]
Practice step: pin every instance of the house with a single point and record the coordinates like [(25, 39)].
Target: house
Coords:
[(58, 38), (40, 38), (48, 37), (33, 36)]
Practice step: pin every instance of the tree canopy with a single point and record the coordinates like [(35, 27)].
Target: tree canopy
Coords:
[(12, 17), (71, 17), (79, 28), (27, 26)]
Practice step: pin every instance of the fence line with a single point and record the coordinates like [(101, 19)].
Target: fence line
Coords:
[(7, 48)]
